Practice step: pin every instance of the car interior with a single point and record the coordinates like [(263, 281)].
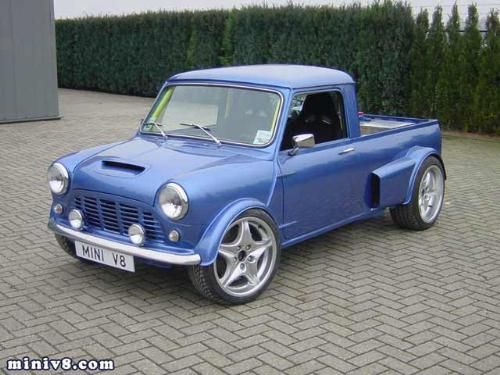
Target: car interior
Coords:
[(253, 111), (321, 114)]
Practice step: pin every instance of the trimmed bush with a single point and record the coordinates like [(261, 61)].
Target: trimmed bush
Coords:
[(487, 94), (126, 55), (385, 39), (135, 54), (401, 65), (472, 41), (436, 44), (449, 86), (206, 40), (420, 64)]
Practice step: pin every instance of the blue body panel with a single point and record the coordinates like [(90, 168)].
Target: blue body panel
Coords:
[(285, 76), (312, 192)]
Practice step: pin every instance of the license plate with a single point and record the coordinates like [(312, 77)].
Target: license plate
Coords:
[(105, 256)]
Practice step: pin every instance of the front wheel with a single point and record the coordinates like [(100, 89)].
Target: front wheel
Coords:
[(427, 198), (69, 248), (67, 245), (247, 261)]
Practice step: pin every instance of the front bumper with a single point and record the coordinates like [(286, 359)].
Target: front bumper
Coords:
[(140, 252)]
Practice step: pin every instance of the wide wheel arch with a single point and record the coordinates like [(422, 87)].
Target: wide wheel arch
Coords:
[(393, 183), (208, 246), (420, 155)]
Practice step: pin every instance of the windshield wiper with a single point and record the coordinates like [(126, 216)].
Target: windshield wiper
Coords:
[(158, 126), (204, 130)]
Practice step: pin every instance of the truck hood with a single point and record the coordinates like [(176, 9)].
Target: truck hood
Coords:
[(137, 168)]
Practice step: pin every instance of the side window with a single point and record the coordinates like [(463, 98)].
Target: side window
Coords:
[(320, 114)]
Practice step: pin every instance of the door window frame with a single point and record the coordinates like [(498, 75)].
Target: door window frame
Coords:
[(319, 146)]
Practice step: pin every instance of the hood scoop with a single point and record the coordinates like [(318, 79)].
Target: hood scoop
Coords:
[(123, 167)]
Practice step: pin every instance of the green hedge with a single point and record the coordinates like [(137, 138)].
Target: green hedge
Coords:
[(401, 65)]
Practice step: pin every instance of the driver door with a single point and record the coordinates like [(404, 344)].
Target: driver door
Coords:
[(317, 181), (318, 188)]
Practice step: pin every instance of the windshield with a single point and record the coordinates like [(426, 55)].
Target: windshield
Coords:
[(230, 114)]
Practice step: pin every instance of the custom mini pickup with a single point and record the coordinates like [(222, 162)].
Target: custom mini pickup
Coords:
[(233, 164)]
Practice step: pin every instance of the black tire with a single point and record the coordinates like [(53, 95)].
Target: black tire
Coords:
[(408, 216), (69, 248), (204, 277)]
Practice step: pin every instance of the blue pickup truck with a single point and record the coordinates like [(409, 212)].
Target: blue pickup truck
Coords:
[(233, 164)]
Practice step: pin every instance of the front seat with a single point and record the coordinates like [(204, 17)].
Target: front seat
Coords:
[(318, 117)]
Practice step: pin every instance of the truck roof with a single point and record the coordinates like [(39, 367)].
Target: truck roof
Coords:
[(281, 75)]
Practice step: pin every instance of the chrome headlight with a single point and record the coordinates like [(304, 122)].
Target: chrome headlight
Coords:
[(174, 201), (58, 178)]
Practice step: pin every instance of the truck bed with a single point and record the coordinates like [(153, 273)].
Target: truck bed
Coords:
[(370, 124)]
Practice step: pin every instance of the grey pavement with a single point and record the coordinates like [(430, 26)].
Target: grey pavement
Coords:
[(369, 298)]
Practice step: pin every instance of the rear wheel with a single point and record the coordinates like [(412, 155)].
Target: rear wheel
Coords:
[(247, 261), (427, 198)]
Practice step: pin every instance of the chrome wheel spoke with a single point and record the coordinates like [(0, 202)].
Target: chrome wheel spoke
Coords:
[(427, 181), (432, 197), (244, 234), (260, 247), (432, 183), (233, 273), (251, 273), (228, 251)]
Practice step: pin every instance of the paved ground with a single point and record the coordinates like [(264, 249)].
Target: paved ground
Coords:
[(367, 299)]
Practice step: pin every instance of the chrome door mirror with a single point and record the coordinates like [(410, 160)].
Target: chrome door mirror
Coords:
[(302, 141)]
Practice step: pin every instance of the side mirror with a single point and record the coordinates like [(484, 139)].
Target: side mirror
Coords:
[(302, 141)]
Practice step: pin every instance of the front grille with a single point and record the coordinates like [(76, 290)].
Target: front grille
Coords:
[(116, 217)]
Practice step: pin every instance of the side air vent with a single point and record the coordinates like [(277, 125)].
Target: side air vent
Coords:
[(375, 187), (117, 165)]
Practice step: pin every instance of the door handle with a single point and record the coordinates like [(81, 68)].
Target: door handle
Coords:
[(347, 150)]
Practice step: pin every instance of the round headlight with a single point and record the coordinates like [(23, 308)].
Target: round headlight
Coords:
[(58, 178), (174, 201)]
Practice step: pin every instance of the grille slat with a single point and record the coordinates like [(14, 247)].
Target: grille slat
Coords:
[(129, 215), (116, 217)]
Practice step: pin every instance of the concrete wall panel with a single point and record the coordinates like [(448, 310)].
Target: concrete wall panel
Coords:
[(28, 71)]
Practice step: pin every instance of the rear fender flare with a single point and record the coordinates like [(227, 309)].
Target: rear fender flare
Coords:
[(389, 183), (209, 243), (419, 154)]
